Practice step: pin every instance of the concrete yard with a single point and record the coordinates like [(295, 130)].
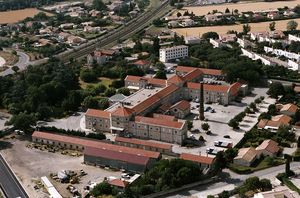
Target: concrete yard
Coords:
[(31, 164)]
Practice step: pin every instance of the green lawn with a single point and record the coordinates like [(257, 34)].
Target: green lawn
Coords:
[(263, 164), (102, 80), (290, 184)]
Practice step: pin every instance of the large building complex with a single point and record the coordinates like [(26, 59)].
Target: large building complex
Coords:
[(100, 153), (172, 53), (172, 95)]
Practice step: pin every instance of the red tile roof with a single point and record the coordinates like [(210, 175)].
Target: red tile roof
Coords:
[(159, 122), (289, 107), (93, 143), (234, 88), (155, 98), (97, 113), (182, 105), (144, 142), (276, 121), (192, 75), (116, 155), (154, 81), (269, 145), (141, 62), (118, 183), (166, 117), (207, 87), (197, 158), (122, 112), (213, 72), (175, 79)]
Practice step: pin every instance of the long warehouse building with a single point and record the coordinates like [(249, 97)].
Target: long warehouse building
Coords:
[(100, 153)]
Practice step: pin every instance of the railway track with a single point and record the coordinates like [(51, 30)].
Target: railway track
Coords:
[(122, 33)]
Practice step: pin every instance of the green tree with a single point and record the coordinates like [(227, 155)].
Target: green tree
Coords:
[(205, 126), (73, 101), (292, 25), (178, 14), (160, 74), (246, 28), (272, 26), (233, 123), (287, 164), (252, 183), (90, 102), (103, 188), (110, 92), (272, 110), (125, 91), (264, 115), (265, 184), (208, 35), (23, 121), (189, 124), (88, 75), (99, 5), (276, 89), (227, 10), (103, 103)]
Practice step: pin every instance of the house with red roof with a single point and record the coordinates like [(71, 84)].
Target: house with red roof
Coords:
[(101, 56), (142, 64), (274, 123), (268, 148), (204, 162), (287, 109)]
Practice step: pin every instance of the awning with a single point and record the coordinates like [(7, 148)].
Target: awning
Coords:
[(116, 128), (133, 87)]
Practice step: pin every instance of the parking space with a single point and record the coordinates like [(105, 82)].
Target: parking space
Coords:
[(219, 119)]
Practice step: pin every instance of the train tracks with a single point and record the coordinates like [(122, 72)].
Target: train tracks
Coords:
[(122, 33)]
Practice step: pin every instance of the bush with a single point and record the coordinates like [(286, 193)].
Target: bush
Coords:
[(233, 123)]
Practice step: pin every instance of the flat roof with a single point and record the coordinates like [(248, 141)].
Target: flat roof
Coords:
[(93, 143), (144, 142)]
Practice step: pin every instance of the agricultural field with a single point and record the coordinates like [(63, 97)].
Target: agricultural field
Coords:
[(242, 7), (18, 15), (264, 26)]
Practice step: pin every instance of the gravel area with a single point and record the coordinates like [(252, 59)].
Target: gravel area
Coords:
[(31, 164)]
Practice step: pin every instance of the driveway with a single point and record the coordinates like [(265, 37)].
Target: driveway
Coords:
[(22, 64)]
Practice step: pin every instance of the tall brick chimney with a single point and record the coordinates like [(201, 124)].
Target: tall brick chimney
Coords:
[(201, 107)]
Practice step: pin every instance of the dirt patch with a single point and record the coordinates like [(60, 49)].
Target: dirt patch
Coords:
[(10, 58), (255, 27), (18, 15), (242, 7)]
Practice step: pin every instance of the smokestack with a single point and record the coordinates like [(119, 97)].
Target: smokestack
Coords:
[(201, 107)]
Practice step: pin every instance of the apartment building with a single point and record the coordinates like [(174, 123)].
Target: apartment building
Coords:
[(172, 53), (279, 52)]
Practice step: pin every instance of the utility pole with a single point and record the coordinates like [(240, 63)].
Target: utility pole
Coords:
[(201, 107)]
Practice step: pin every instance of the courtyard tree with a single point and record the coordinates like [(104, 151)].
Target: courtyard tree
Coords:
[(103, 103), (125, 91), (292, 25), (272, 26), (205, 126), (276, 89), (160, 74), (246, 28), (90, 102), (99, 5), (233, 123), (208, 35)]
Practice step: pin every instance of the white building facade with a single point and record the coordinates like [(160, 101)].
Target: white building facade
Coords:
[(173, 53)]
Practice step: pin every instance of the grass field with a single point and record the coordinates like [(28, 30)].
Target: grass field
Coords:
[(102, 80), (18, 15), (242, 7), (255, 27)]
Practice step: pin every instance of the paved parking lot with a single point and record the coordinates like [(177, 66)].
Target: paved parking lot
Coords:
[(3, 118), (218, 122)]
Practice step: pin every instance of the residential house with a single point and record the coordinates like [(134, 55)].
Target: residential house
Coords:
[(273, 15), (142, 64), (187, 22), (75, 40), (278, 192), (245, 157), (172, 53), (101, 56), (274, 123), (268, 148), (225, 38), (287, 109), (191, 40), (204, 162)]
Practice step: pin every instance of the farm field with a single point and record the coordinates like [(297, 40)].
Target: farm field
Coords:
[(18, 15), (255, 27), (242, 7)]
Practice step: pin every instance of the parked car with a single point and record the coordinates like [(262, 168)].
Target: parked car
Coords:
[(195, 131), (226, 136)]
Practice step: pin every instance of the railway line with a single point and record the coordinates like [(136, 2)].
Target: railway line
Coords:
[(122, 33)]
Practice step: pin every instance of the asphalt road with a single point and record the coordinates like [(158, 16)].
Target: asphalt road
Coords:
[(22, 64), (9, 183)]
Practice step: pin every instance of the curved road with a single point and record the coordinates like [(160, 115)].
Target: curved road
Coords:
[(22, 64), (9, 183)]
